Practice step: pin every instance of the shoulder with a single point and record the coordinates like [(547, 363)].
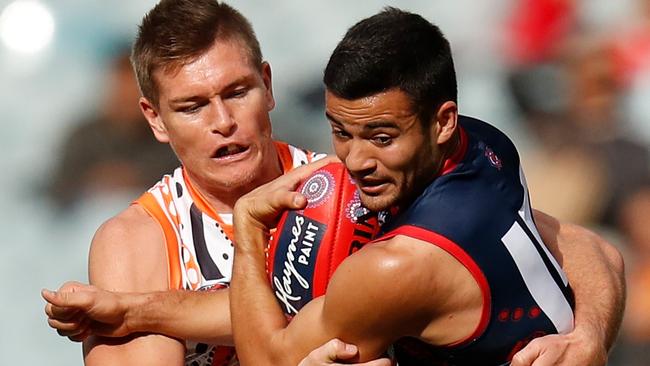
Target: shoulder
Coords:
[(126, 228), (128, 253)]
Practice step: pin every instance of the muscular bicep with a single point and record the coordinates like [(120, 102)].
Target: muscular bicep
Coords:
[(128, 254), (358, 308)]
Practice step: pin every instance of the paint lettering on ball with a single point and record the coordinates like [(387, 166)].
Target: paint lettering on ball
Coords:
[(293, 268)]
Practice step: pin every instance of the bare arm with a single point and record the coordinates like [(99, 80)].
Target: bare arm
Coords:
[(195, 315), (128, 254), (596, 272), (103, 307), (356, 308), (78, 311)]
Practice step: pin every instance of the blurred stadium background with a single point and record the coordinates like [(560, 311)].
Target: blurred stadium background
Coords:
[(568, 80)]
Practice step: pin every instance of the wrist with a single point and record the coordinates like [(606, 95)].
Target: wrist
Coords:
[(135, 307), (251, 238), (591, 341)]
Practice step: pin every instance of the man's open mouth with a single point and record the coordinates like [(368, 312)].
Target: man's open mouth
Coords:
[(229, 150)]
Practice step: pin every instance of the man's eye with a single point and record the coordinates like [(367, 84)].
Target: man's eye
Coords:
[(191, 109), (340, 134), (238, 93), (382, 140)]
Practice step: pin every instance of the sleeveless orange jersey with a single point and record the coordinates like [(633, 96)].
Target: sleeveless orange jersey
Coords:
[(199, 241)]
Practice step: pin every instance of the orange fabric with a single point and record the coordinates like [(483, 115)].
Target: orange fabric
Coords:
[(149, 203), (285, 156)]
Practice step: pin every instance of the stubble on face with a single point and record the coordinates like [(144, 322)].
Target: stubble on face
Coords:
[(387, 174)]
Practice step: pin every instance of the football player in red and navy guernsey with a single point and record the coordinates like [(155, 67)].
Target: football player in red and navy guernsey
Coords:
[(460, 275)]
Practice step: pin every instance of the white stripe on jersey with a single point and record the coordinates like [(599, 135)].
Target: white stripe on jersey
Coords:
[(534, 272), (538, 279), (526, 213)]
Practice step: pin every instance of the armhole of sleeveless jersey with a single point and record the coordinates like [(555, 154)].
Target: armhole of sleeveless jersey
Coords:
[(148, 202), (457, 252)]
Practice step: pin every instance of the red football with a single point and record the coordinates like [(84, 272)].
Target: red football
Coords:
[(309, 244)]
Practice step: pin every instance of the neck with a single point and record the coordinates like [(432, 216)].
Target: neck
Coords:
[(448, 150)]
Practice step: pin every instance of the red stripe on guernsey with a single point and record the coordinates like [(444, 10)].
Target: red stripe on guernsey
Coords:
[(457, 252), (451, 163)]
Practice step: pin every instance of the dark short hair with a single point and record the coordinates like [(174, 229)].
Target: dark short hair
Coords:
[(394, 49), (177, 32)]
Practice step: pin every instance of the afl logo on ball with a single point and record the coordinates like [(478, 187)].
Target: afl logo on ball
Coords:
[(318, 188)]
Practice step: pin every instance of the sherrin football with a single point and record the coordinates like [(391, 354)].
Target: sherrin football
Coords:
[(309, 244)]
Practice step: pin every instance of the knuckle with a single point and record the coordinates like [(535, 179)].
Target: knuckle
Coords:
[(517, 360), (336, 345), (520, 358), (68, 285)]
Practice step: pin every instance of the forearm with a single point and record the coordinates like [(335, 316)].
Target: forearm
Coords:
[(596, 273), (191, 315), (258, 321)]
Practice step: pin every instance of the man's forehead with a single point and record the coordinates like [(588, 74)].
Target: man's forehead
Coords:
[(213, 70), (391, 104)]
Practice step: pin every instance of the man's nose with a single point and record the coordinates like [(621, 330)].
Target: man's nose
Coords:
[(359, 161), (222, 121)]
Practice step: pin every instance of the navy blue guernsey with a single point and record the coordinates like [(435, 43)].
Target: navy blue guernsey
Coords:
[(478, 211)]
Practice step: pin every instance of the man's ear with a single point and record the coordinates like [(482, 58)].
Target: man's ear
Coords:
[(266, 77), (446, 121), (153, 117)]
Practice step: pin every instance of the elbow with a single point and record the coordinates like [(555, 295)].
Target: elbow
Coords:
[(263, 354), (263, 359)]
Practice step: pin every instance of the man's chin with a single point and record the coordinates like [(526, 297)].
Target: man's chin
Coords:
[(232, 178), (377, 203)]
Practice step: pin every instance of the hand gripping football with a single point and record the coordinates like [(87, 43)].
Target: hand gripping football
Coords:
[(309, 244)]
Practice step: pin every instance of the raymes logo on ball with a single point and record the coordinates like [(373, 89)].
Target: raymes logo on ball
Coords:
[(293, 268)]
